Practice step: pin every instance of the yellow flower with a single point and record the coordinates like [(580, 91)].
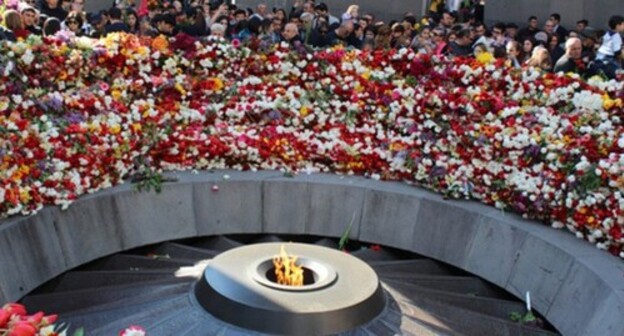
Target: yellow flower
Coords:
[(366, 75), (180, 89), (485, 58), (304, 111), (116, 93), (24, 196), (115, 129)]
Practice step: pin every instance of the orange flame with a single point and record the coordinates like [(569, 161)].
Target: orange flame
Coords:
[(286, 271)]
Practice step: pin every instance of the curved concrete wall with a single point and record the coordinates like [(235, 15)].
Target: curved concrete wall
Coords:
[(577, 287)]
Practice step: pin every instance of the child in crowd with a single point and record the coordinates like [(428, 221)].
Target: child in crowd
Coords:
[(609, 56)]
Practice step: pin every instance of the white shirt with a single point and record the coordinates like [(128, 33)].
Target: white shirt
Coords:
[(611, 44), (453, 5)]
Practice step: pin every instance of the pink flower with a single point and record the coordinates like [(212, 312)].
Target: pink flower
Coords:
[(133, 331), (236, 43)]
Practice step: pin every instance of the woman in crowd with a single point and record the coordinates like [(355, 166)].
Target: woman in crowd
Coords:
[(540, 59), (527, 49), (13, 22), (383, 37), (554, 49), (51, 26), (132, 20), (74, 22), (352, 13)]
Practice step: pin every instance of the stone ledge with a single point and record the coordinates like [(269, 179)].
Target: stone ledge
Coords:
[(577, 287)]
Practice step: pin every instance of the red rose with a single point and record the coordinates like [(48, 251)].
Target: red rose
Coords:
[(23, 328)]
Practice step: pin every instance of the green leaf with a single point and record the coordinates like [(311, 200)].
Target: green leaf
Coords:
[(79, 332), (345, 235)]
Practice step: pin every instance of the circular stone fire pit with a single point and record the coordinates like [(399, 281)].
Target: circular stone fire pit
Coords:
[(340, 292)]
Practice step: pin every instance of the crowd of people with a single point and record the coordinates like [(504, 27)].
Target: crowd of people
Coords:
[(451, 28)]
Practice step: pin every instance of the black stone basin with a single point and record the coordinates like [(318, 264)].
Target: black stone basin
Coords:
[(344, 292)]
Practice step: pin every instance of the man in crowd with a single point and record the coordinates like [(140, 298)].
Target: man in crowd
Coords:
[(561, 32), (115, 25), (529, 30), (29, 18), (52, 8), (462, 46), (290, 34), (571, 60)]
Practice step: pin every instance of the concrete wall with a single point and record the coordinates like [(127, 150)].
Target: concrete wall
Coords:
[(596, 11), (577, 287)]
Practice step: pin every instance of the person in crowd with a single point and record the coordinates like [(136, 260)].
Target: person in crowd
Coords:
[(514, 54), (290, 34), (146, 28), (115, 23), (581, 25), (323, 11), (98, 23), (527, 49), (609, 55), (554, 49), (435, 9), (540, 59), (52, 8), (305, 30), (439, 41), (29, 17), (462, 45), (51, 26), (352, 13), (78, 6), (217, 30), (74, 23), (549, 27), (530, 30), (447, 21), (13, 22), (261, 12), (571, 60), (165, 24), (281, 15), (383, 37), (344, 35), (588, 38), (511, 31), (498, 36), (422, 42), (479, 49), (132, 21), (561, 32)]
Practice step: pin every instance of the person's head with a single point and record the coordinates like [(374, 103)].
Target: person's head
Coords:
[(261, 9), (114, 14), (177, 6), (616, 23), (479, 49), (222, 19), (549, 26), (308, 7), (52, 3), (464, 37), (581, 24), (306, 19), (363, 23), (498, 30), (533, 22), (132, 19), (240, 15), (66, 5), (369, 33), (572, 33), (165, 23), (425, 33), (437, 35), (346, 28), (290, 31), (553, 41), (479, 29), (574, 48), (353, 10), (540, 58), (513, 49), (527, 45), (29, 16), (78, 5), (217, 29), (51, 26), (74, 21), (13, 20), (451, 37), (280, 14), (555, 18), (397, 30), (276, 24), (511, 30), (448, 19)]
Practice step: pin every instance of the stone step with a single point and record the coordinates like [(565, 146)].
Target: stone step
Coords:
[(372, 255), (466, 285), (208, 326), (267, 239), (489, 306), (411, 267), (94, 319), (182, 251), (459, 321), (64, 302), (409, 326), (90, 279), (219, 243), (327, 242), (136, 262), (149, 317)]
